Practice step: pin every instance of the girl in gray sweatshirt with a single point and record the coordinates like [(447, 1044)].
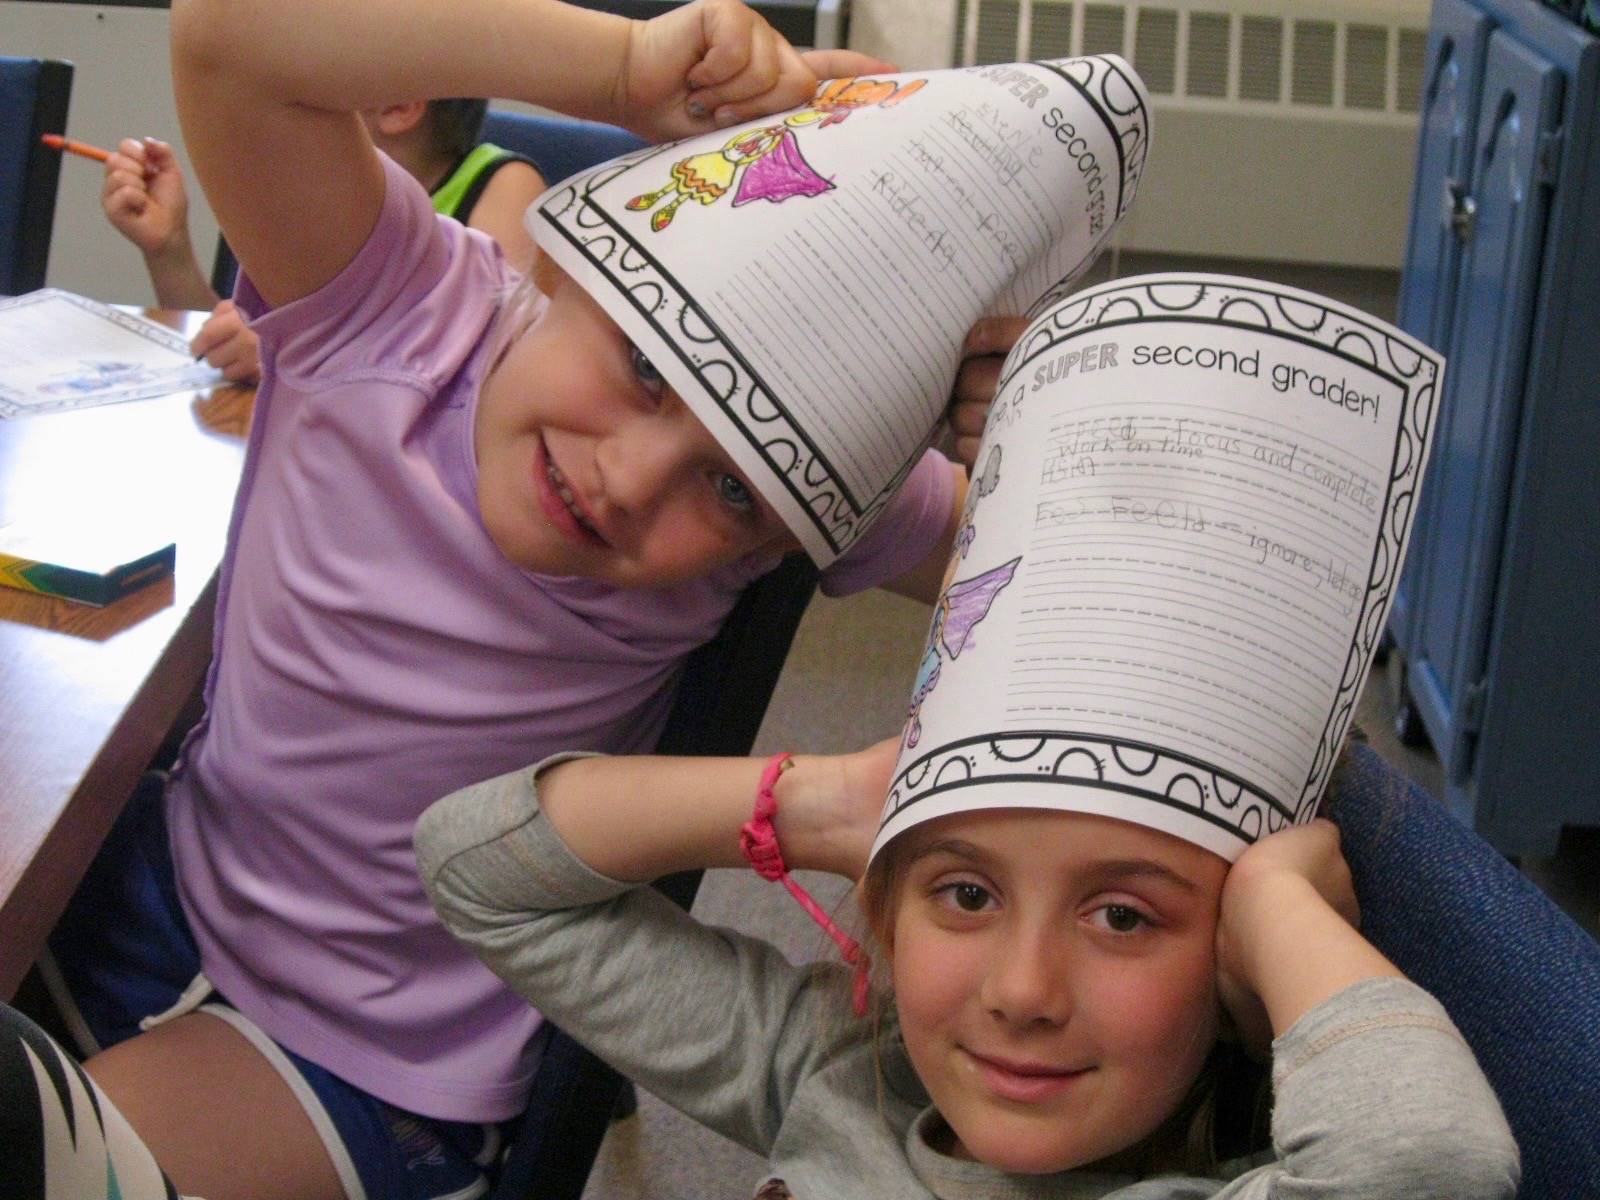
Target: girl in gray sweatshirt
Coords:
[(1052, 988)]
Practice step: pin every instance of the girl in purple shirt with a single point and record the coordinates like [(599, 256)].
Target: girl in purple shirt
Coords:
[(469, 533)]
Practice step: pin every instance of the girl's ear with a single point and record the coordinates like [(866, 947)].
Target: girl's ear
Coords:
[(396, 120), (546, 274)]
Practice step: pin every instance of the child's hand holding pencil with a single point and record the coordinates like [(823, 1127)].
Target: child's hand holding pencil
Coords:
[(226, 342), (143, 196)]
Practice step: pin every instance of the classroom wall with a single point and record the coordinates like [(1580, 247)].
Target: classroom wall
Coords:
[(121, 87), (914, 34)]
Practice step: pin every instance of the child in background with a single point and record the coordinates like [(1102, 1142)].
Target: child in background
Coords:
[(481, 185), (1058, 987), (467, 532)]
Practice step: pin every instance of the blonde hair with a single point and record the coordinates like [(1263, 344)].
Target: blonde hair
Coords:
[(513, 314)]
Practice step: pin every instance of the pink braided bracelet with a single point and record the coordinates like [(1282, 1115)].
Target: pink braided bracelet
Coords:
[(758, 841)]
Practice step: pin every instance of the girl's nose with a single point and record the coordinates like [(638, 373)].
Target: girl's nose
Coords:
[(1028, 981), (641, 464)]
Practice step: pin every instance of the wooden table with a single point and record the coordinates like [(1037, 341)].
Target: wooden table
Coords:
[(87, 695)]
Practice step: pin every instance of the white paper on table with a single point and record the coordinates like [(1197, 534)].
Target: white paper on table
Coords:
[(804, 281), (1192, 501), (61, 351)]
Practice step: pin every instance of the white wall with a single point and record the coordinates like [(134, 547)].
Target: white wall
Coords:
[(121, 87), (914, 34), (1251, 202)]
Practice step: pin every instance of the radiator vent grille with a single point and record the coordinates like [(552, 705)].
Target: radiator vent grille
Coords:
[(1208, 55), (1261, 59), (1203, 52), (1102, 29), (1366, 53), (1413, 58), (997, 31), (1052, 31), (1155, 46)]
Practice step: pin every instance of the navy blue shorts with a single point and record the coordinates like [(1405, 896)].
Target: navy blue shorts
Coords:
[(123, 958)]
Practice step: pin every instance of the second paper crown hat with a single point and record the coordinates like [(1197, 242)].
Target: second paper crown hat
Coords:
[(804, 280)]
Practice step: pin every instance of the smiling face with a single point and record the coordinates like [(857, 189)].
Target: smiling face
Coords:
[(1055, 977), (588, 464)]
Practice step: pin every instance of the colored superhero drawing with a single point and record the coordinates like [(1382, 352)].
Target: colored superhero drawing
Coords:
[(778, 170), (766, 162), (958, 613), (961, 605)]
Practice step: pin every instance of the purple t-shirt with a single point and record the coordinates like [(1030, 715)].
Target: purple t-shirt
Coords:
[(375, 651)]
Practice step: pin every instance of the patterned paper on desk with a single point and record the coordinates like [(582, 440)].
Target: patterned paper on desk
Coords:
[(60, 351)]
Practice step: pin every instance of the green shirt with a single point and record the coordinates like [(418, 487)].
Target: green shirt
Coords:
[(458, 194)]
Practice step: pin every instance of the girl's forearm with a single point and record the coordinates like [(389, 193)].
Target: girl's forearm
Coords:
[(1296, 950), (640, 818), (346, 57), (176, 276)]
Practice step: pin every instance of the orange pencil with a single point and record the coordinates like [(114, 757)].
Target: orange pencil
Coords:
[(67, 146)]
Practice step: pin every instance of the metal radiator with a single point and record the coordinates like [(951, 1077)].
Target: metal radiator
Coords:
[(1282, 130)]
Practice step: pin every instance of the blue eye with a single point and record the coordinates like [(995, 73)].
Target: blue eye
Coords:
[(645, 369), (732, 492)]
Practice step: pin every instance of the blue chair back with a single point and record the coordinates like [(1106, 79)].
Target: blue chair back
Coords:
[(1518, 976), (34, 94), (561, 146)]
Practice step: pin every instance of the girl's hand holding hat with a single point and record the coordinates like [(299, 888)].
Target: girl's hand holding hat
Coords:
[(714, 63)]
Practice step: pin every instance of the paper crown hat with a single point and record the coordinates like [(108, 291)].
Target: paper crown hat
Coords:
[(804, 280), (1177, 557)]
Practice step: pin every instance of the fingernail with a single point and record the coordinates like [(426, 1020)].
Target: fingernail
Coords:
[(697, 110)]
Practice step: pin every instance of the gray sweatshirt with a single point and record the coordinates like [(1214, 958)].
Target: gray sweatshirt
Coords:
[(1376, 1094)]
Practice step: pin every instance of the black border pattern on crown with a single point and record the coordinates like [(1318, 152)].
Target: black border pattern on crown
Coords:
[(1086, 758), (1090, 760), (728, 378)]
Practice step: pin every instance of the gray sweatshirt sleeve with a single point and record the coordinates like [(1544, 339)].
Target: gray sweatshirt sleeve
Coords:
[(717, 1024), (1378, 1098)]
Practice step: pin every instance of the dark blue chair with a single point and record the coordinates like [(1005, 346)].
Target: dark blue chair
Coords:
[(1520, 979), (34, 94), (560, 146)]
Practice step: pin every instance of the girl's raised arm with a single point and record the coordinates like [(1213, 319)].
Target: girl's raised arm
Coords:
[(1286, 934), (268, 92), (717, 1023), (637, 819)]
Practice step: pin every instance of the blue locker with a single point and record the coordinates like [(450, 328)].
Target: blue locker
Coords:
[(1441, 202), (1498, 613)]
